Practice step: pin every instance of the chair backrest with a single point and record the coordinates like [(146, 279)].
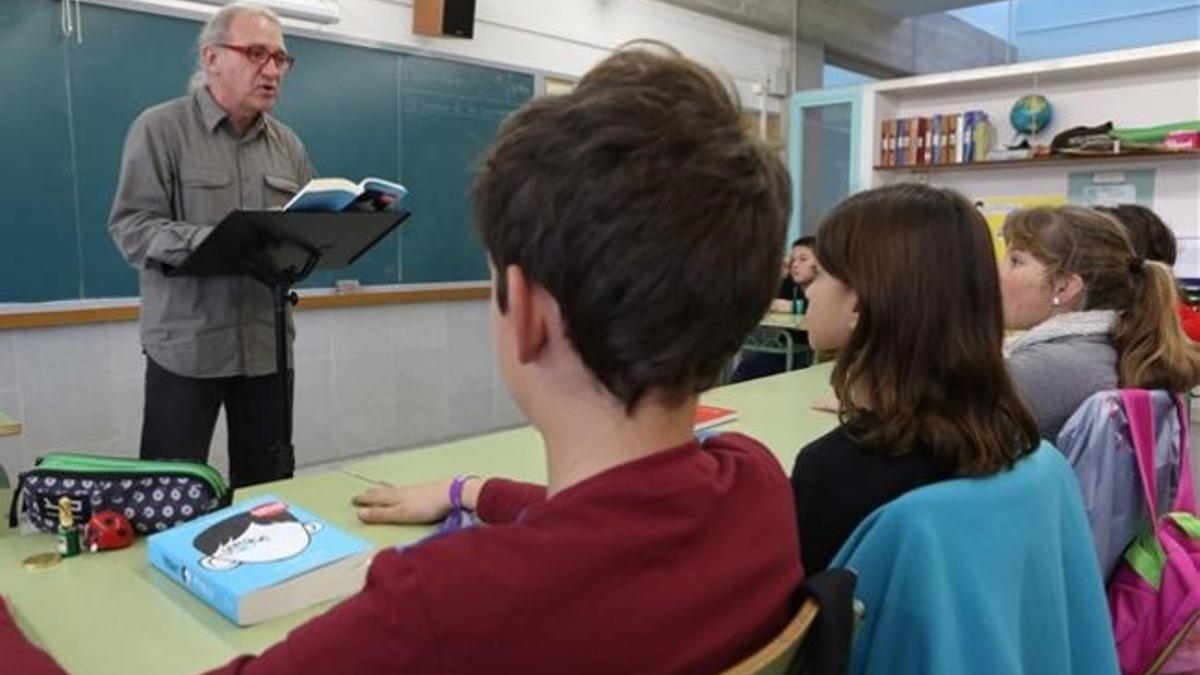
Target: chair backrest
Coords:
[(987, 576), (776, 656), (1097, 444)]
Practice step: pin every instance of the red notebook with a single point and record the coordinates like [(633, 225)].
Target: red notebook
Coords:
[(710, 416)]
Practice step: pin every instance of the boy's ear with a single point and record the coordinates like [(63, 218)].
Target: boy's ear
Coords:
[(527, 314)]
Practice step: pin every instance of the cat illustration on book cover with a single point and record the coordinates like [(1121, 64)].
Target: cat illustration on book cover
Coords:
[(267, 533)]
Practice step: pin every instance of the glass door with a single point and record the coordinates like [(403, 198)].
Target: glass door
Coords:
[(823, 153)]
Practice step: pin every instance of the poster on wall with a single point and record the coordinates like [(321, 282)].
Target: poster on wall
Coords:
[(996, 208), (1109, 188)]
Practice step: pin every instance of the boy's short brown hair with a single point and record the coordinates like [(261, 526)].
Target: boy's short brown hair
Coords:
[(654, 220)]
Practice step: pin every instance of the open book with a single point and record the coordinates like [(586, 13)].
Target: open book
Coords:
[(260, 559), (336, 194)]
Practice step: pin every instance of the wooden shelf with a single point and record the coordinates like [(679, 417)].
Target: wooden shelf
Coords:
[(1054, 160)]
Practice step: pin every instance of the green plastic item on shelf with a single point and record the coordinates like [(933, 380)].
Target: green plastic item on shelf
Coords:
[(1154, 134)]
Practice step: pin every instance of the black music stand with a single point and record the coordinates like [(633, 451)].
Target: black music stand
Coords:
[(280, 249)]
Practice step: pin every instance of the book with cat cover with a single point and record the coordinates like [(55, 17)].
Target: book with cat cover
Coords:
[(260, 559)]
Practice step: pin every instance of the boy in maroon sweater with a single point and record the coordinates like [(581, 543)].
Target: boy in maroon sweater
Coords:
[(632, 228)]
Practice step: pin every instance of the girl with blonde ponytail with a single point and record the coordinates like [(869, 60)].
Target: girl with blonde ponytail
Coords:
[(1096, 315)]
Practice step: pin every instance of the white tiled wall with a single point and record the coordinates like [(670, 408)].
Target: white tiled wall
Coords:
[(367, 379)]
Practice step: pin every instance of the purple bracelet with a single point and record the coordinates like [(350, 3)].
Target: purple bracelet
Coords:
[(456, 488), (458, 518)]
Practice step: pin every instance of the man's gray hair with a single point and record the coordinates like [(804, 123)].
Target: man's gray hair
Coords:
[(216, 32)]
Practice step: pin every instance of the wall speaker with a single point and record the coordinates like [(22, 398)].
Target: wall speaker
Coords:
[(453, 18)]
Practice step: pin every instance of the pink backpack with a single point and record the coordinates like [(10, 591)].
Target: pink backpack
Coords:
[(1154, 594)]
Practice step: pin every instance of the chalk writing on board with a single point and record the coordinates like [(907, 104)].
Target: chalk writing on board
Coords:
[(453, 106)]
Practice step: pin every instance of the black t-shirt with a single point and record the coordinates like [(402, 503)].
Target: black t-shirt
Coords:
[(838, 482), (790, 290)]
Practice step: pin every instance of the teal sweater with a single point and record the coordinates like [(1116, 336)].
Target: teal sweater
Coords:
[(982, 576)]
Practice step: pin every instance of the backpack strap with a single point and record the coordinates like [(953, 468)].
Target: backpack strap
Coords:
[(1140, 414), (1141, 429), (1185, 495)]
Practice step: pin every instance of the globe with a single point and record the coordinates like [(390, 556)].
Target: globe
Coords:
[(1030, 114)]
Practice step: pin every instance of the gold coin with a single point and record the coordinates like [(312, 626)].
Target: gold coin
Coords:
[(42, 561)]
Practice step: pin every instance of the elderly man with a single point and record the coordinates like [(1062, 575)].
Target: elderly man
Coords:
[(209, 341)]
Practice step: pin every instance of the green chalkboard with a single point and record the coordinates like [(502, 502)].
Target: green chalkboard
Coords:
[(448, 115), (39, 246), (360, 112), (127, 63)]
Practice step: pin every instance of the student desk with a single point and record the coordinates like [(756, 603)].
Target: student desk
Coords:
[(784, 320), (112, 613), (776, 410), (774, 335)]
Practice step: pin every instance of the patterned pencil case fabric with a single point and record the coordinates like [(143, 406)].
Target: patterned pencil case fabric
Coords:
[(154, 495)]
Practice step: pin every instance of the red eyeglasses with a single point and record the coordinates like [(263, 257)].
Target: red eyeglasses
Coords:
[(260, 54)]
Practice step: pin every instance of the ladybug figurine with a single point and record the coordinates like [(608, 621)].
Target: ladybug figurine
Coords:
[(107, 531)]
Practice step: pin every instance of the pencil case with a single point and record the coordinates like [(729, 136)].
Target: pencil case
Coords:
[(154, 495)]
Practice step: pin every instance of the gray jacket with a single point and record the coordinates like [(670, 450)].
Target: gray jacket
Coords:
[(1097, 443), (1056, 368), (183, 170)]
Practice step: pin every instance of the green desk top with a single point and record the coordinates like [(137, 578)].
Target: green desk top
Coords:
[(112, 613), (776, 410)]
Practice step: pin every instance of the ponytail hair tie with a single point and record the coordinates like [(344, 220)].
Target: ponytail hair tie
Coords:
[(1137, 265)]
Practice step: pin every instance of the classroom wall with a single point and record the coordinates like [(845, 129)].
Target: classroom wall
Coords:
[(563, 37), (366, 379), (377, 377)]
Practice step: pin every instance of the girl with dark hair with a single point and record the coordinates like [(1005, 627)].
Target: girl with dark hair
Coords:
[(1153, 240), (906, 292)]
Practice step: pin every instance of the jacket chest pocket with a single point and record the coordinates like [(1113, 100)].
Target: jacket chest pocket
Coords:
[(207, 194), (278, 190)]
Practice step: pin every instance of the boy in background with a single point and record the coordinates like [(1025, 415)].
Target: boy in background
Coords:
[(800, 272)]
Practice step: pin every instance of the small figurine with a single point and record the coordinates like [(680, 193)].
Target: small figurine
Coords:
[(68, 534), (107, 531)]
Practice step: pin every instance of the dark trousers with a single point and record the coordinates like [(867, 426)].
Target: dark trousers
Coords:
[(181, 412)]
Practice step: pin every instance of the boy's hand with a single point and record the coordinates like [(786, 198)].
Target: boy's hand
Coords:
[(403, 504)]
